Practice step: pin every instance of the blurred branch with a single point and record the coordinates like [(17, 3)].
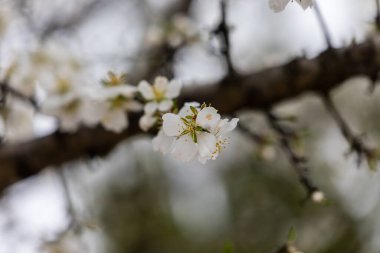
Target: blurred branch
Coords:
[(223, 31), (6, 89), (355, 142), (259, 90), (298, 162), (323, 24)]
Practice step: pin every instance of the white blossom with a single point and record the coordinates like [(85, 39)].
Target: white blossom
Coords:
[(110, 103), (66, 107), (194, 133), (159, 98), (177, 32), (279, 5)]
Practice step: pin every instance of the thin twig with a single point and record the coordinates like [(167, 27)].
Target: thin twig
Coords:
[(323, 25), (355, 142), (73, 224), (298, 162), (258, 138), (223, 31)]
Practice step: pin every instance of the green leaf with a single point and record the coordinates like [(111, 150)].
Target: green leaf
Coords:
[(185, 121), (184, 132), (199, 129), (203, 105), (189, 117), (292, 235), (194, 136), (194, 110)]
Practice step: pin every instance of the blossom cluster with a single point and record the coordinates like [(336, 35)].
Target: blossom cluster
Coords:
[(193, 132)]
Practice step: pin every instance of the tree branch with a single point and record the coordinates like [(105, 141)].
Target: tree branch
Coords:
[(260, 90), (298, 162), (223, 31)]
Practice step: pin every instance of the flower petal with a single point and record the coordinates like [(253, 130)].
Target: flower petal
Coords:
[(206, 144), (226, 126), (172, 124), (115, 120), (173, 89), (114, 91), (160, 84), (184, 149), (146, 122), (146, 90), (165, 105), (208, 118), (305, 3), (92, 111), (162, 142), (150, 108), (278, 5), (133, 106)]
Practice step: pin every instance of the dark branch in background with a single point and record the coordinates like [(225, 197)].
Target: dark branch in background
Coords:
[(298, 162), (355, 142), (260, 90), (73, 222), (223, 32), (6, 89), (323, 25)]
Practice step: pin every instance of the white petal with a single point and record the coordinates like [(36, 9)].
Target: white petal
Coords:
[(160, 84), (165, 105), (115, 120), (203, 160), (173, 89), (146, 122), (278, 5), (206, 144), (226, 126), (133, 106), (68, 122), (146, 90), (162, 142), (93, 111), (184, 149), (305, 3), (150, 108), (185, 110), (172, 124), (208, 118), (111, 92)]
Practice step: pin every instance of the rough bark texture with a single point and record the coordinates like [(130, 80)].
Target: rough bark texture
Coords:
[(260, 90)]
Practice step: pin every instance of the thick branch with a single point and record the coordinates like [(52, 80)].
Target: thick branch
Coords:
[(260, 90)]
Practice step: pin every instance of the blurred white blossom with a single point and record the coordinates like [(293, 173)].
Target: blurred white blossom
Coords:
[(159, 98), (179, 31)]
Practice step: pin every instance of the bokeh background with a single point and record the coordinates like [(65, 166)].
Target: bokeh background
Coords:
[(136, 200)]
